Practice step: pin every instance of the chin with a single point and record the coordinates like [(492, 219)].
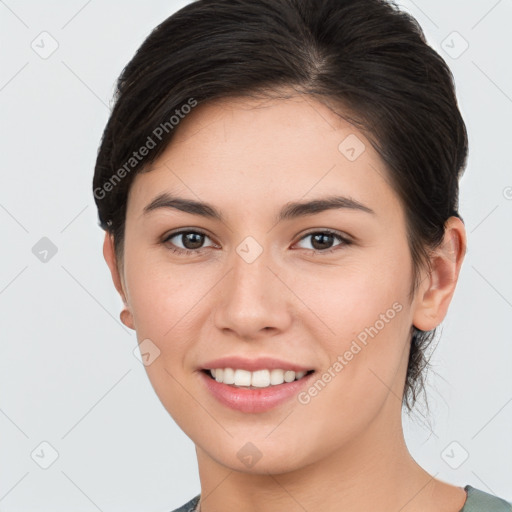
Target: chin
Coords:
[(262, 456), (272, 464)]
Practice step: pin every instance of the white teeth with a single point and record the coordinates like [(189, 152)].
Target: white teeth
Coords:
[(257, 379), (242, 378), (229, 376), (260, 379), (276, 377), (289, 376)]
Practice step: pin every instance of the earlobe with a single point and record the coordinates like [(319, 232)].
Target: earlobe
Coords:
[(127, 318), (438, 286), (110, 258)]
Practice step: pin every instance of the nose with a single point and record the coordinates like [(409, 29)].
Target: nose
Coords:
[(253, 301)]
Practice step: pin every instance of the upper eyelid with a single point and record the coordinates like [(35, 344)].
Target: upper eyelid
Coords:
[(330, 231), (183, 231)]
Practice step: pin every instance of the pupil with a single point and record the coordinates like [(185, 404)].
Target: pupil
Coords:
[(190, 243), (322, 237)]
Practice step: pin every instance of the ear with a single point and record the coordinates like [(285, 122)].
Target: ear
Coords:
[(110, 258), (436, 290)]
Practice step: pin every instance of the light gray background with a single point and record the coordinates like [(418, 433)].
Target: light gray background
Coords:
[(68, 374)]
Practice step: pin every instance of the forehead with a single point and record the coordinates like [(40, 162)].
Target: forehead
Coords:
[(258, 152)]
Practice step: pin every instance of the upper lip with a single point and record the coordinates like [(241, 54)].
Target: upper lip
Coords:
[(259, 363)]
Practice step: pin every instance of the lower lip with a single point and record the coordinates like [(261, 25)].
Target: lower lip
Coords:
[(253, 400)]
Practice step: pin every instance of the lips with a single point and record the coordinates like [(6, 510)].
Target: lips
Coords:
[(253, 385)]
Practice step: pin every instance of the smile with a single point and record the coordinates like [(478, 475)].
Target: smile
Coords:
[(255, 379)]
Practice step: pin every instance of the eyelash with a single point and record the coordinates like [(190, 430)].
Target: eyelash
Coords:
[(195, 252)]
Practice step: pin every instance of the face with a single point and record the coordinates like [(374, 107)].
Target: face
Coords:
[(278, 282)]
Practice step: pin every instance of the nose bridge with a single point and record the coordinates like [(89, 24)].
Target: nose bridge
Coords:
[(253, 298), (251, 277)]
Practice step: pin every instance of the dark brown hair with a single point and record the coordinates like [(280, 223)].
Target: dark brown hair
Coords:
[(365, 59)]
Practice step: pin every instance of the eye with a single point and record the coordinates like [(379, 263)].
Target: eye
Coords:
[(191, 242), (321, 241)]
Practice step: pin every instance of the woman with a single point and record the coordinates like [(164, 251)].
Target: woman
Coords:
[(278, 183)]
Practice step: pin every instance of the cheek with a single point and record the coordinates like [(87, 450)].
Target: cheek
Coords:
[(165, 310), (369, 321), (352, 297), (167, 304), (159, 293)]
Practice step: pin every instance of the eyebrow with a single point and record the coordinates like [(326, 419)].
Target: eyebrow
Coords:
[(289, 211)]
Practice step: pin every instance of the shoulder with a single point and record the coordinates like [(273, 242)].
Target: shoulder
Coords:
[(477, 501), (480, 501), (190, 506)]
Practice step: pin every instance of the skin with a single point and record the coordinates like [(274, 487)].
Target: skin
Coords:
[(248, 158)]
